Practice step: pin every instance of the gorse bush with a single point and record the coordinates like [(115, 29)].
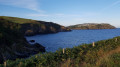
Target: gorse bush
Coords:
[(105, 53)]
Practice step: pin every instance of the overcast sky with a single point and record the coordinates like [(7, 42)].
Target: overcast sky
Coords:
[(64, 12)]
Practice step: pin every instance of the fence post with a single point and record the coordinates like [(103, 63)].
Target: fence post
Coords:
[(116, 40), (93, 44), (5, 64), (20, 64), (63, 50)]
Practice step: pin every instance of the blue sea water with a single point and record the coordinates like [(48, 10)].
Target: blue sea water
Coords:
[(53, 42)]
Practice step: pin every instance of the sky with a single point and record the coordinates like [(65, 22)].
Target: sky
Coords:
[(64, 12)]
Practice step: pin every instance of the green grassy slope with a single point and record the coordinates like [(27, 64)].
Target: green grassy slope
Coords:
[(17, 20), (105, 53)]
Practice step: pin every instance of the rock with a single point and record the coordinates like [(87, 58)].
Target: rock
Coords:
[(39, 47), (32, 41), (29, 33)]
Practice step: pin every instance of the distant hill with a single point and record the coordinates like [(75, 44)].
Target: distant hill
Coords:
[(32, 27), (92, 26)]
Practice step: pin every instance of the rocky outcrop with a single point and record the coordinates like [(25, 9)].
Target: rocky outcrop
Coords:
[(39, 47), (92, 26)]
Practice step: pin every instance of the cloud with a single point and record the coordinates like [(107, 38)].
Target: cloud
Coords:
[(52, 15), (46, 15), (38, 15), (29, 4), (60, 14), (113, 4)]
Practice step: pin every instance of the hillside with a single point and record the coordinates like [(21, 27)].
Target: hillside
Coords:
[(105, 53), (92, 26), (32, 27), (13, 44)]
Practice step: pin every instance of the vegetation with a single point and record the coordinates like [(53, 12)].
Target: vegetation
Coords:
[(92, 26), (17, 20), (12, 42), (105, 53), (9, 31)]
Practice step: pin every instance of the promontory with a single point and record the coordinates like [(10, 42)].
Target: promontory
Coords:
[(92, 26)]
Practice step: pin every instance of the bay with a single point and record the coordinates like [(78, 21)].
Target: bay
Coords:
[(53, 42)]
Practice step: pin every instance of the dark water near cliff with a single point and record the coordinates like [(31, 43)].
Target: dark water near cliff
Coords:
[(76, 37)]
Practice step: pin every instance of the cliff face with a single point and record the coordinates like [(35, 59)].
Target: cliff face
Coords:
[(31, 27), (13, 44), (41, 28), (92, 26)]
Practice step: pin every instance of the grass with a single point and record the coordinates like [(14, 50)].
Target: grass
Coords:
[(105, 53), (18, 20)]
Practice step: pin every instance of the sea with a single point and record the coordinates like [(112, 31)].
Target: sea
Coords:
[(53, 42)]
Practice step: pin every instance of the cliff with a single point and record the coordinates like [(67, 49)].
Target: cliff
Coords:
[(92, 26), (32, 27)]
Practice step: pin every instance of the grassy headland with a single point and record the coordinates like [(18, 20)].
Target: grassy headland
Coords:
[(31, 27)]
